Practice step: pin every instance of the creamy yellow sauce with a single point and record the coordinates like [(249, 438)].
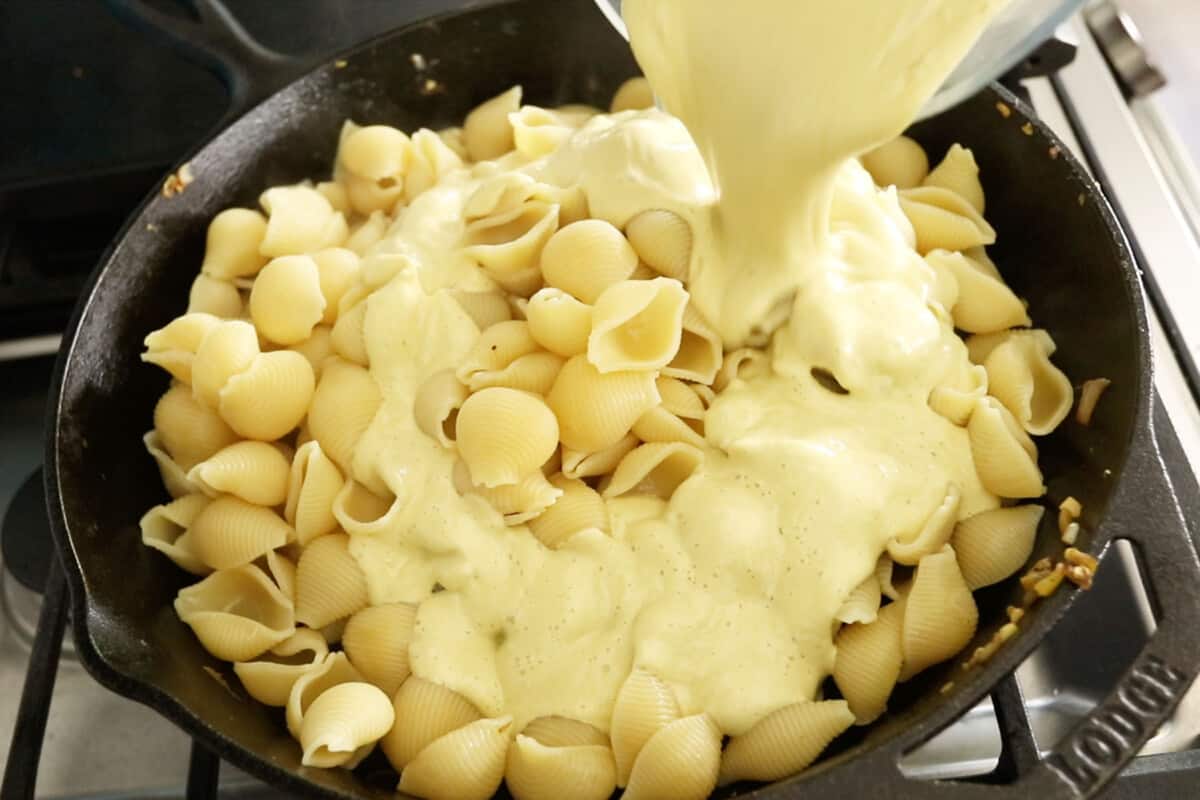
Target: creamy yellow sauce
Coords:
[(728, 592)]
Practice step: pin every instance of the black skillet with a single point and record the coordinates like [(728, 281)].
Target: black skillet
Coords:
[(1059, 246)]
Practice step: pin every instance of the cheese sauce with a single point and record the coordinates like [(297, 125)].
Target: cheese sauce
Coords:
[(729, 591)]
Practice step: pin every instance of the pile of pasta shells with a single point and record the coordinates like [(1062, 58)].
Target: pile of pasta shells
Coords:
[(590, 379)]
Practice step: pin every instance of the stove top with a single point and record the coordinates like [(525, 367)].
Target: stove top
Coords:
[(65, 189)]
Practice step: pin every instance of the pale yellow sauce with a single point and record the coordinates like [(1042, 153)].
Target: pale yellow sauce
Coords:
[(729, 592)]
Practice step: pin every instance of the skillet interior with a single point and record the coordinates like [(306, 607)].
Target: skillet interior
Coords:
[(1064, 255)]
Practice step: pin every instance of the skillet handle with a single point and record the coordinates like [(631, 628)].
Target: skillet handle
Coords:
[(216, 41)]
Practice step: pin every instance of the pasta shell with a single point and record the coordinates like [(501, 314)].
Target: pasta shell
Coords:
[(254, 471), (656, 468), (503, 434), (270, 680), (283, 571), (534, 373), (432, 159), (436, 406), (337, 270), (316, 348), (375, 152), (537, 772), (992, 545), (868, 662), (484, 308), (487, 133), (231, 249), (1021, 377), (862, 604), (174, 477), (883, 573), (230, 532), (270, 399), (367, 196), (700, 350), (214, 296), (955, 402), (425, 711), (634, 94), (578, 507), (164, 528), (586, 257), (741, 364), (537, 132), (313, 484), (228, 350), (559, 322), (497, 194), (376, 641), (576, 464), (173, 347), (680, 761), (660, 425), (958, 173), (985, 304), (343, 406), (981, 345), (237, 614), (644, 706), (348, 338), (785, 741), (1005, 457), (637, 325), (329, 582), (334, 670), (286, 302), (519, 502), (939, 613), (900, 162), (336, 194), (368, 233), (933, 534), (944, 221), (466, 764), (508, 245), (557, 731), (663, 241), (679, 399), (594, 410), (189, 431), (299, 220), (341, 722), (497, 348)]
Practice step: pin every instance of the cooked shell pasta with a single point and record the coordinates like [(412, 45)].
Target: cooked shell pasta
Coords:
[(486, 132), (316, 348), (563, 732), (596, 410), (375, 152), (337, 270), (270, 679), (538, 131), (785, 741), (286, 302), (884, 569), (679, 762), (744, 363), (436, 406), (981, 345), (700, 350), (237, 614), (519, 502), (958, 173), (656, 468), (376, 642), (559, 322), (165, 529), (254, 471), (336, 194), (534, 373), (663, 241), (360, 511), (214, 296), (943, 220), (497, 347), (343, 723), (586, 257), (956, 401), (637, 325), (680, 399), (313, 484), (578, 507), (985, 304), (932, 535), (508, 244), (187, 430), (484, 308), (939, 613), (432, 159), (329, 582), (536, 771), (645, 705), (333, 670), (992, 545), (503, 434), (231, 249), (228, 349), (868, 662), (173, 347), (347, 336), (900, 162), (1005, 457), (343, 405), (174, 477), (634, 94), (466, 764), (579, 464), (427, 711), (1021, 377), (269, 399), (862, 604), (660, 425), (230, 532), (299, 220)]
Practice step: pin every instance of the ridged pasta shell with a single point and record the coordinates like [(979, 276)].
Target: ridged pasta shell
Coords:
[(299, 220), (270, 680), (164, 528), (375, 151), (519, 502), (955, 402), (981, 345), (484, 308), (436, 406), (313, 484), (785, 741), (934, 533), (679, 399), (900, 162), (504, 434), (939, 613), (985, 304), (555, 731), (537, 132), (230, 532), (189, 431), (343, 406), (868, 662), (862, 604), (538, 772), (656, 468), (958, 173), (237, 614), (220, 298), (681, 761), (992, 545), (466, 764), (231, 248), (586, 257), (594, 410), (508, 245), (174, 477), (1021, 377), (700, 350), (336, 194), (348, 337), (534, 373), (497, 347), (316, 348), (376, 641), (362, 512), (663, 241), (1005, 457), (270, 399), (943, 220), (254, 471), (425, 711), (333, 670), (578, 507), (227, 350), (337, 270), (559, 322), (487, 133), (644, 706), (432, 159), (576, 464), (502, 192), (883, 573), (744, 363), (367, 196), (173, 347), (367, 233), (286, 302), (329, 582), (342, 721), (637, 325), (660, 425), (283, 571)]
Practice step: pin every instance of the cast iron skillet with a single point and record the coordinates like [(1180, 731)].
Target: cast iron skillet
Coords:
[(1059, 246)]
